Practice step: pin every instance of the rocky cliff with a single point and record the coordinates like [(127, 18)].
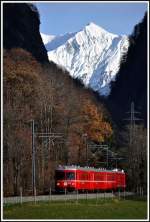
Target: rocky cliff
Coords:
[(21, 29)]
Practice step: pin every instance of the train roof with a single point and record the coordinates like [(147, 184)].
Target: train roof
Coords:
[(88, 169)]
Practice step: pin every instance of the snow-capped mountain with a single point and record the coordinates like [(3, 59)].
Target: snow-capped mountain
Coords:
[(47, 38), (92, 55)]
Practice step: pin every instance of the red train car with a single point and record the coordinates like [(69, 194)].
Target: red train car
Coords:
[(86, 178)]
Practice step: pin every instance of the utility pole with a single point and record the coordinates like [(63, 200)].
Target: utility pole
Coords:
[(33, 158), (86, 145), (132, 120), (107, 156), (46, 135), (86, 148), (132, 148)]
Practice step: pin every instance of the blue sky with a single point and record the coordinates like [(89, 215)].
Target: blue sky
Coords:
[(118, 18)]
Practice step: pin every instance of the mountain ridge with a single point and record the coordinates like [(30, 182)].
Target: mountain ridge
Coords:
[(92, 55)]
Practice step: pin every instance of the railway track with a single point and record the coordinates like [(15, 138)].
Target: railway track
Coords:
[(65, 197)]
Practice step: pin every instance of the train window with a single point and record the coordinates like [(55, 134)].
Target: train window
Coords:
[(113, 177), (96, 176), (99, 177), (70, 175), (83, 176), (108, 177), (60, 175)]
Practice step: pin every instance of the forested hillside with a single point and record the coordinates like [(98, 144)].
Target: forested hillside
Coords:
[(37, 90)]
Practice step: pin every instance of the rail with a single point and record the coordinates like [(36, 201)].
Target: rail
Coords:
[(68, 196)]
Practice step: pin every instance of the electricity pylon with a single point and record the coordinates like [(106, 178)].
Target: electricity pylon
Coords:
[(132, 120)]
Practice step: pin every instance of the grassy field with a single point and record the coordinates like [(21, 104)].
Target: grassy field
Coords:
[(84, 209)]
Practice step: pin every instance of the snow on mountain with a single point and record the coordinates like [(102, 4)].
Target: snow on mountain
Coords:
[(58, 41), (47, 38), (92, 55)]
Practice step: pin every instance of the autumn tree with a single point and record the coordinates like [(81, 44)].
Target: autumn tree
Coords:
[(22, 90), (58, 104)]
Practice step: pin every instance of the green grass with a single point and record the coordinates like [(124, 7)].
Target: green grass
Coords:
[(84, 209)]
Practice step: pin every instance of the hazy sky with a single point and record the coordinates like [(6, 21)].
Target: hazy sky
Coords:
[(118, 18)]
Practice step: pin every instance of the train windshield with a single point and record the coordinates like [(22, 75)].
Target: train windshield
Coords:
[(70, 175), (60, 175)]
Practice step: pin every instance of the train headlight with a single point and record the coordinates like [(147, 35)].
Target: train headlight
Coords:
[(72, 184), (58, 184)]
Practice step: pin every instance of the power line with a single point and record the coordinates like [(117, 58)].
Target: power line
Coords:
[(50, 136), (132, 120), (102, 147)]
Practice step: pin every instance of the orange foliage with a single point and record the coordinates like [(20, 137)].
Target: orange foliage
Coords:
[(22, 81), (30, 91), (96, 127)]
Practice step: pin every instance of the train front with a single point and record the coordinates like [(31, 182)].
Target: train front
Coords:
[(65, 180)]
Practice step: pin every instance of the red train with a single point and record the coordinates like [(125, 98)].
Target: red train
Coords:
[(87, 178)]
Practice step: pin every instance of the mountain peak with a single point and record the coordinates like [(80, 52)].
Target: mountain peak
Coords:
[(91, 55), (95, 29), (91, 24)]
